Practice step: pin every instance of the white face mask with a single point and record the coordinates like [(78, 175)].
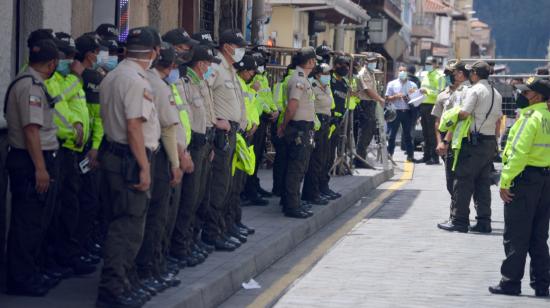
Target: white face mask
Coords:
[(239, 54)]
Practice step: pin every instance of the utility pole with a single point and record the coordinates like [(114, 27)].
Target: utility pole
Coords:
[(258, 19), (339, 36)]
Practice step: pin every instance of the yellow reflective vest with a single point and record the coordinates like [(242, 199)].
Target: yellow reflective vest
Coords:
[(265, 101), (250, 104), (434, 83), (528, 143), (184, 116)]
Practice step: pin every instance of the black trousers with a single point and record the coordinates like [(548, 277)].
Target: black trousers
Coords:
[(367, 126), (259, 142), (333, 144), (30, 217), (279, 162), (233, 214), (472, 177), (89, 219), (224, 148), (4, 208), (150, 254), (428, 131), (65, 222), (404, 118), (127, 210), (317, 163), (298, 153), (193, 190), (526, 230)]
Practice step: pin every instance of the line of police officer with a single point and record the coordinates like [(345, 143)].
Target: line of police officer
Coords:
[(141, 154), (469, 118)]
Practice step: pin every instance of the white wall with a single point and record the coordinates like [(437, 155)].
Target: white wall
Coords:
[(7, 59), (57, 15)]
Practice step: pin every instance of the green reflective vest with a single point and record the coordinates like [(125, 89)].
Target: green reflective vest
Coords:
[(184, 116), (528, 143), (434, 83), (266, 103), (71, 108)]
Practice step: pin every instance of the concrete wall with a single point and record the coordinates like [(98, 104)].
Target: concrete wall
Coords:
[(169, 10), (7, 35), (81, 17), (57, 15), (282, 22), (139, 13)]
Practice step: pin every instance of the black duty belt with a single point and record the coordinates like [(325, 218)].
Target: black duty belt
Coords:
[(122, 150), (543, 170), (301, 125), (3, 131), (210, 134), (46, 153), (486, 137), (323, 118)]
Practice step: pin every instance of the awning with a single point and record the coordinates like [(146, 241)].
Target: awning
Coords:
[(436, 7), (334, 10)]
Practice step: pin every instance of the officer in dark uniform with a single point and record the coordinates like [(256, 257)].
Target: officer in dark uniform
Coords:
[(132, 133), (297, 130), (31, 167), (525, 190)]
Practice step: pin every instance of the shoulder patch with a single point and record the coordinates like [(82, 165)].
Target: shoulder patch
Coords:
[(313, 84), (171, 100), (147, 95), (35, 101)]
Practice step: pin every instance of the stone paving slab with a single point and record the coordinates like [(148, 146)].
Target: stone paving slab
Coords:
[(398, 258), (212, 282)]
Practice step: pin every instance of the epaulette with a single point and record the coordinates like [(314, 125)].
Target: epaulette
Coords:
[(141, 75), (301, 74)]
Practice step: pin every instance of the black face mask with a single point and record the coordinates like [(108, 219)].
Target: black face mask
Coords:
[(342, 71), (522, 101), (185, 56)]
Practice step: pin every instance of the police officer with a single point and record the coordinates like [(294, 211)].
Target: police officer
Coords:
[(367, 93), (87, 231), (320, 83), (202, 121), (246, 68), (31, 167), (230, 117), (166, 173), (297, 130), (269, 113), (472, 174), (432, 84), (457, 85), (525, 190), (132, 133)]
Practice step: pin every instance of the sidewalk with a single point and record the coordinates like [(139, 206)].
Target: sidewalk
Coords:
[(212, 282), (398, 258)]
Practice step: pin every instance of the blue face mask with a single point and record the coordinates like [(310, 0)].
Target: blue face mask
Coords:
[(429, 67), (402, 76), (110, 63), (64, 66), (324, 79), (173, 76), (208, 73), (372, 66)]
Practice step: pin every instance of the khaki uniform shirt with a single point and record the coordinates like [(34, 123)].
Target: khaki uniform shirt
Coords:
[(27, 104), (163, 99), (442, 103), (365, 80), (126, 94), (478, 102), (201, 105), (227, 93), (300, 89), (323, 98)]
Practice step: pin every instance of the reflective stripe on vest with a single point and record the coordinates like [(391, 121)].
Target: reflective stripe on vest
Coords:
[(184, 116)]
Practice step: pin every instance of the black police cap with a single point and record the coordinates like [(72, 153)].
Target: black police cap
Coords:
[(107, 32), (141, 37), (323, 51), (204, 53), (262, 49), (43, 51), (39, 34), (65, 43), (536, 84), (247, 63), (307, 53), (87, 43), (179, 36), (342, 60), (205, 38), (229, 36)]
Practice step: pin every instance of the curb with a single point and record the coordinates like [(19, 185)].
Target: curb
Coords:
[(221, 282)]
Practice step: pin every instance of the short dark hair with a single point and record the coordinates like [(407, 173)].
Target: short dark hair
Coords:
[(482, 74)]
